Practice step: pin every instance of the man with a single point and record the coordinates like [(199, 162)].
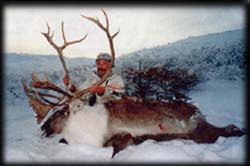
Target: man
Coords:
[(113, 86)]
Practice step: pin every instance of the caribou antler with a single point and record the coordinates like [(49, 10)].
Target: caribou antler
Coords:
[(59, 49), (39, 100), (112, 50), (43, 102)]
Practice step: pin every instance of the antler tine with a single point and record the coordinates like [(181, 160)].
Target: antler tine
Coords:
[(48, 33), (49, 37), (96, 21), (106, 18), (114, 35), (42, 97), (66, 43), (44, 94), (49, 86), (63, 34), (48, 27)]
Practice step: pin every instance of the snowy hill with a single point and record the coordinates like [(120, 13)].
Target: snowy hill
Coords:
[(185, 46), (212, 56)]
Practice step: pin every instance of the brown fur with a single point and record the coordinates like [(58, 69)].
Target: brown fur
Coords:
[(56, 122), (144, 110), (134, 113)]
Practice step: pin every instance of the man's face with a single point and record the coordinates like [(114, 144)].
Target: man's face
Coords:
[(102, 66)]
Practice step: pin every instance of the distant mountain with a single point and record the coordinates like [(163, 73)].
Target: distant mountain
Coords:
[(26, 63)]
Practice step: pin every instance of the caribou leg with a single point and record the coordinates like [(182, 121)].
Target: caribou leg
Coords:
[(207, 133), (119, 142)]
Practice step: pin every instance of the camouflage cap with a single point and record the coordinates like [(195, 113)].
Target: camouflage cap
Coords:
[(104, 56)]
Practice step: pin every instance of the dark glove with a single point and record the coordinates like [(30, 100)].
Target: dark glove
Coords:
[(92, 100)]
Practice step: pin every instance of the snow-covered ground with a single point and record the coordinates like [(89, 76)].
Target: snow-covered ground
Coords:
[(221, 101)]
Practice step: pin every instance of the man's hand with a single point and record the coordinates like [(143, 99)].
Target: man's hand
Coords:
[(66, 80), (97, 89)]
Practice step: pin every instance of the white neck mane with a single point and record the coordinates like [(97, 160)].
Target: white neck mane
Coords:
[(86, 125)]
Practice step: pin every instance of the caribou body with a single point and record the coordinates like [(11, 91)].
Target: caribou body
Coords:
[(122, 122)]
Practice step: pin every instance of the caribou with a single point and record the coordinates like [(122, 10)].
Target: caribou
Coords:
[(116, 122)]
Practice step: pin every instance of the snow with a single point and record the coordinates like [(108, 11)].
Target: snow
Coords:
[(222, 101), (228, 104)]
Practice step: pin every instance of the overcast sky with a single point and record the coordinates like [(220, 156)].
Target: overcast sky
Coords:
[(140, 27)]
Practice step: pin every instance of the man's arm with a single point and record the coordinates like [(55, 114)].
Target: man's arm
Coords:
[(115, 85)]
